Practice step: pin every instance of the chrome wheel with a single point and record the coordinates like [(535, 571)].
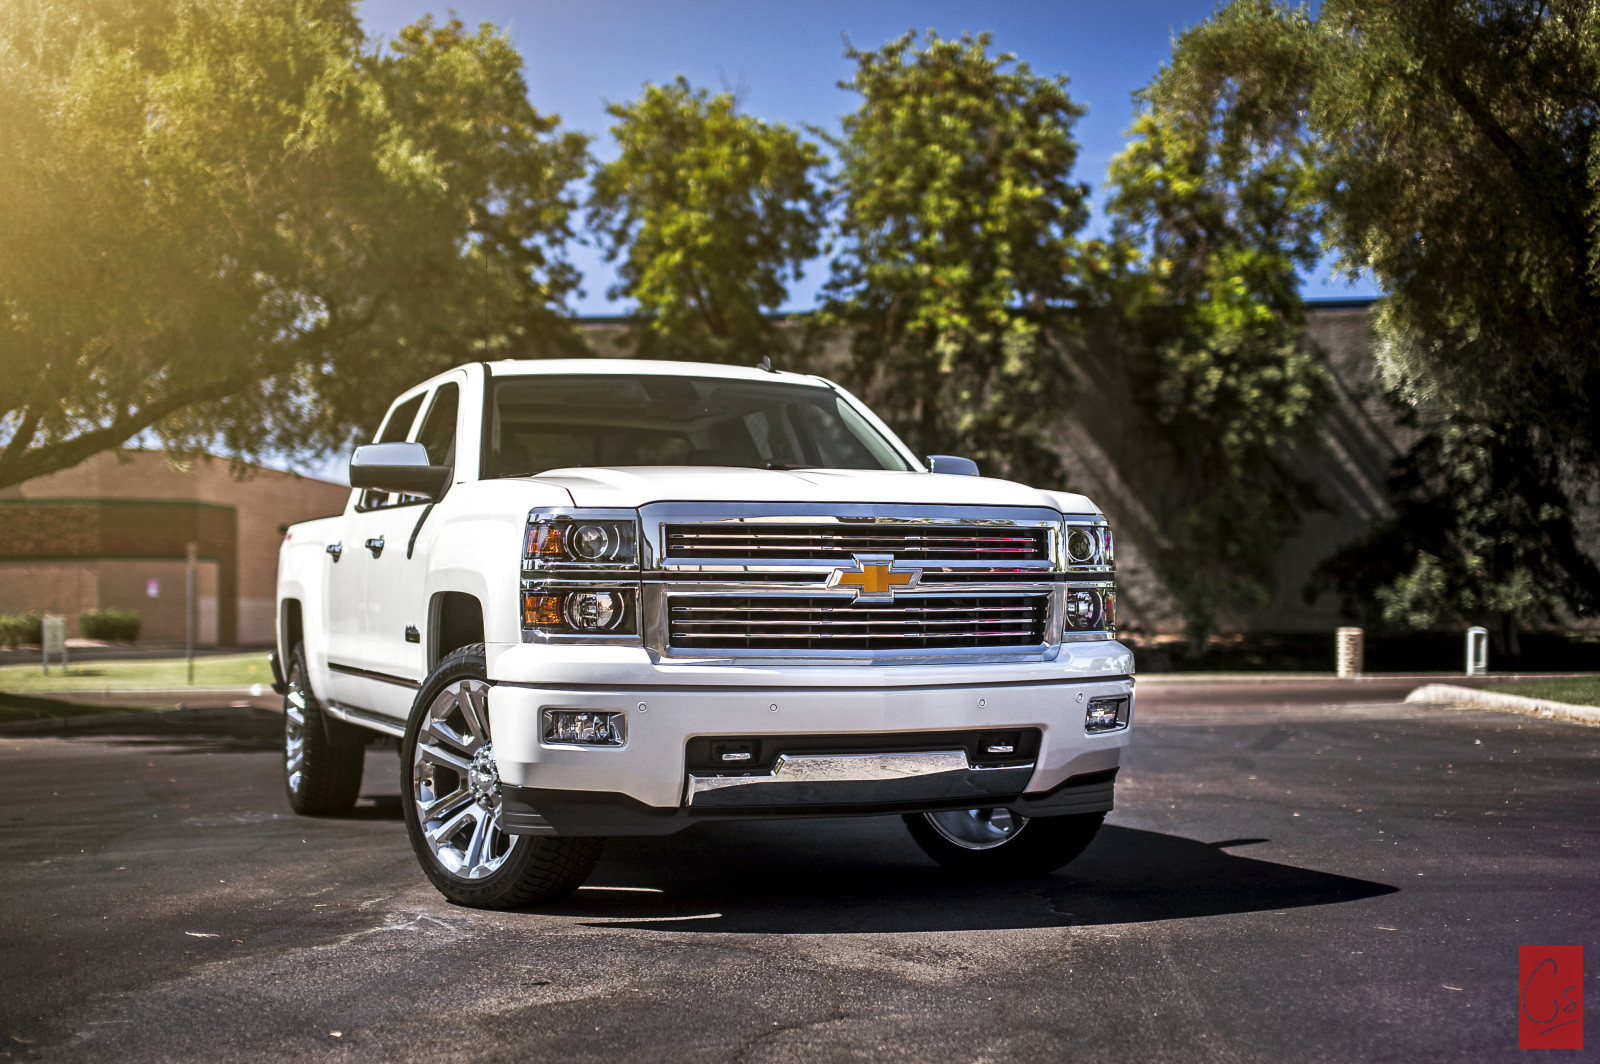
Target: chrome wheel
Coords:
[(294, 732), (456, 785), (977, 829)]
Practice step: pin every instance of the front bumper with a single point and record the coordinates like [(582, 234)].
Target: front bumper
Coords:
[(645, 786)]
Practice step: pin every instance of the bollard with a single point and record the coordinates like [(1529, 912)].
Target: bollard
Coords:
[(1477, 651), (1347, 652)]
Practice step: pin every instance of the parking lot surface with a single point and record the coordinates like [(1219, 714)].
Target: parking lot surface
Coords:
[(1304, 870)]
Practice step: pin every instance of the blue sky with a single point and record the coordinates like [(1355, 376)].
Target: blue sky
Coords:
[(785, 60)]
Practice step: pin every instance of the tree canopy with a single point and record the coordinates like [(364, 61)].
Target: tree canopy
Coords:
[(1448, 150), (234, 223), (1464, 174), (1216, 212), (709, 211), (958, 241)]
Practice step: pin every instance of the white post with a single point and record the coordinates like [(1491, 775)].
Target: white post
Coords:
[(1477, 651), (53, 638), (1348, 652), (193, 552)]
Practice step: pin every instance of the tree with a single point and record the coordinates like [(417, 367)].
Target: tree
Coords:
[(1482, 531), (1456, 161), (1216, 196), (230, 224), (959, 247), (1464, 174), (710, 211)]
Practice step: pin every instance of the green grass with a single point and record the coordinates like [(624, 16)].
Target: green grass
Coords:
[(1577, 690), (232, 670)]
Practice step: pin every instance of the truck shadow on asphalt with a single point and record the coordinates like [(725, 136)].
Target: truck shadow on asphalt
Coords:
[(737, 879)]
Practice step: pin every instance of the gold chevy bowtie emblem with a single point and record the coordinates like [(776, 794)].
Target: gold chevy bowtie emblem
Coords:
[(876, 577)]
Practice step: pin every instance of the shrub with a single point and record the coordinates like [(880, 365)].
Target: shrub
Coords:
[(114, 625), (20, 629)]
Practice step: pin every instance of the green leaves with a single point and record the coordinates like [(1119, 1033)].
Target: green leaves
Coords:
[(709, 211), (958, 243), (1462, 138), (231, 225), (1460, 143), (1215, 200)]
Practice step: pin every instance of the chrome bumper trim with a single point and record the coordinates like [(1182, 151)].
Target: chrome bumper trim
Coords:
[(854, 779)]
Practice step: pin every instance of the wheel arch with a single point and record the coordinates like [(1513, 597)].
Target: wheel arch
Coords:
[(455, 620)]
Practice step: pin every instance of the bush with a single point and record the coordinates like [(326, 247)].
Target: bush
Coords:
[(112, 625), (21, 629)]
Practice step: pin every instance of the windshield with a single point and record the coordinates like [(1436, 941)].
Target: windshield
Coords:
[(553, 422)]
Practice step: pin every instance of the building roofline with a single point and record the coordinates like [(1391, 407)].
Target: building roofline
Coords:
[(605, 320)]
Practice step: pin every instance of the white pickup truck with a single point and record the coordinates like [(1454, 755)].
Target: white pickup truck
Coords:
[(607, 597)]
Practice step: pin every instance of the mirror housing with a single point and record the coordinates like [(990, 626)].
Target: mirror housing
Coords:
[(401, 468), (953, 465)]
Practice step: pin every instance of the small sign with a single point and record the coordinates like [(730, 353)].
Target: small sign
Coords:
[(55, 635), (1550, 1004), (152, 588)]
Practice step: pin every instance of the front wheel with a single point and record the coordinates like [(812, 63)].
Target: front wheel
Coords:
[(452, 805), (1000, 843)]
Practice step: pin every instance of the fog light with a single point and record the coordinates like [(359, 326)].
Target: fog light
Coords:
[(585, 727), (1106, 714)]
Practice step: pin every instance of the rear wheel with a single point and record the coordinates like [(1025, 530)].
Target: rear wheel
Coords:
[(452, 801), (322, 757), (1000, 843)]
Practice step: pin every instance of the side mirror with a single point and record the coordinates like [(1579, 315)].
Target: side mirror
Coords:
[(949, 463), (401, 468)]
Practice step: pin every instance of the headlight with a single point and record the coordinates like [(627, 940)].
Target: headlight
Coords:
[(575, 612), (563, 540), (581, 575), (1088, 546), (1085, 610)]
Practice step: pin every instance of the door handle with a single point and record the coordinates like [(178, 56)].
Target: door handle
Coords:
[(336, 549), (375, 545)]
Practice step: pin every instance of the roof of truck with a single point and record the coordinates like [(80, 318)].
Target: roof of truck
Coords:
[(650, 367)]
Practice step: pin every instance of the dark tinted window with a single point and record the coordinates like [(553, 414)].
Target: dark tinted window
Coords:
[(399, 423), (438, 433), (551, 422), (395, 430)]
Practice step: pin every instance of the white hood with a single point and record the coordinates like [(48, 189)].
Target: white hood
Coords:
[(634, 486)]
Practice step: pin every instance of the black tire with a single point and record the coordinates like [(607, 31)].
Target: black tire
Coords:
[(1039, 846), (501, 871), (322, 775)]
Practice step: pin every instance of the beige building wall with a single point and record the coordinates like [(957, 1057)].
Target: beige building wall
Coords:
[(261, 501)]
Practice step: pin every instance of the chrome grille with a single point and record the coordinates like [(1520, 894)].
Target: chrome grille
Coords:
[(838, 624), (751, 542)]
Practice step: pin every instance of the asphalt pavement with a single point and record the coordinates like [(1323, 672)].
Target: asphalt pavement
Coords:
[(1302, 870)]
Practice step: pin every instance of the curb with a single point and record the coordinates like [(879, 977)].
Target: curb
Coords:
[(1451, 695), (1304, 677)]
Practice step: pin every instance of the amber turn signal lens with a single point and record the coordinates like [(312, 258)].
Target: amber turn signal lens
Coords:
[(545, 542), (541, 611)]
